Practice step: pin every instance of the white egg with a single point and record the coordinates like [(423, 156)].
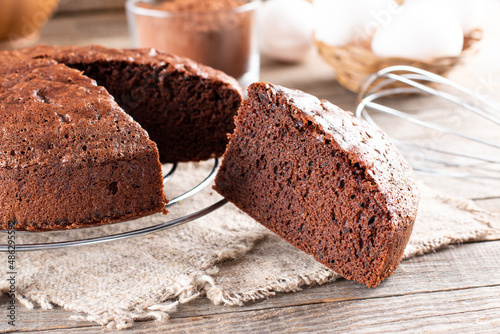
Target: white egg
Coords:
[(419, 31), (286, 29), (469, 13), (339, 22)]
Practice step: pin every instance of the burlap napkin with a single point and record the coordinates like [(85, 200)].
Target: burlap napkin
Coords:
[(225, 256)]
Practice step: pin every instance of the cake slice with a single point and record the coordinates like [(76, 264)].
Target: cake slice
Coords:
[(187, 108), (322, 180), (69, 155)]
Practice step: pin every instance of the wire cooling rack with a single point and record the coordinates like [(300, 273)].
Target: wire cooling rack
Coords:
[(137, 232)]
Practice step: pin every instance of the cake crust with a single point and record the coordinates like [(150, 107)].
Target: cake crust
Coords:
[(321, 179)]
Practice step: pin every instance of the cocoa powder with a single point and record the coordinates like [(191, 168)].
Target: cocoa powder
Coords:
[(193, 5), (209, 32)]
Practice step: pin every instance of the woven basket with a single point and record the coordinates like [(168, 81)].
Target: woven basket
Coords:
[(353, 63)]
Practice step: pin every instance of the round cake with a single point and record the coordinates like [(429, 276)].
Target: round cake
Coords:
[(70, 153), (69, 156), (187, 108)]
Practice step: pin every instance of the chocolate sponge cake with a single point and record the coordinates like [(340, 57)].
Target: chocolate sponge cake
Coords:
[(187, 108), (69, 155), (321, 179)]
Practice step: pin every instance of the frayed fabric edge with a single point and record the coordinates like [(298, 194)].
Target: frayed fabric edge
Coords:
[(120, 318), (217, 296)]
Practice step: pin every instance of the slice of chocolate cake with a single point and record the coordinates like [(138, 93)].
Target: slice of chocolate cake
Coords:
[(69, 155), (187, 108), (321, 179)]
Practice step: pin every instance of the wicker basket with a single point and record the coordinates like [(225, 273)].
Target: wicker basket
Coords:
[(353, 63)]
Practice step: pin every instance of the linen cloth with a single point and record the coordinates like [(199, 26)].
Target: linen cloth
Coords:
[(225, 256)]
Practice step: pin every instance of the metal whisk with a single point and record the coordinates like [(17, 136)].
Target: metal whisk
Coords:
[(453, 134)]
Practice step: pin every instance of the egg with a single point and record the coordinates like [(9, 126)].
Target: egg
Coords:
[(469, 13), (420, 31), (286, 29), (340, 22)]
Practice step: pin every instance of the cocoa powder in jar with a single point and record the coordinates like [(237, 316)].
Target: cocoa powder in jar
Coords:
[(217, 33)]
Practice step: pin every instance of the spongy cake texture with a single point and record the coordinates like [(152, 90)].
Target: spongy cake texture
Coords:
[(321, 179), (186, 108), (69, 155)]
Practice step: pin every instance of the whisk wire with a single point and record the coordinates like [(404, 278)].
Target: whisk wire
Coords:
[(407, 80), (428, 125), (410, 78), (404, 145)]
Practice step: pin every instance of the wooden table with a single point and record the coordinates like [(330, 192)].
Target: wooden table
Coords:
[(454, 290)]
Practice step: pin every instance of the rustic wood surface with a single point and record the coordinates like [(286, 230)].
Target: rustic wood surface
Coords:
[(456, 289), (72, 6)]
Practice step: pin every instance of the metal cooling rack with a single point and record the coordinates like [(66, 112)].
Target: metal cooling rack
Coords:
[(137, 232)]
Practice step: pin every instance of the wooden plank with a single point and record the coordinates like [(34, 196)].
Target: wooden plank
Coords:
[(108, 29), (460, 267), (28, 320), (66, 6), (472, 310)]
